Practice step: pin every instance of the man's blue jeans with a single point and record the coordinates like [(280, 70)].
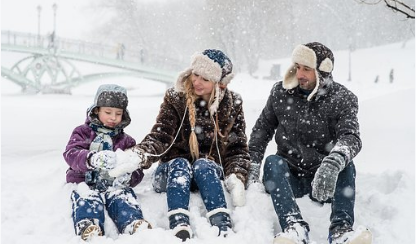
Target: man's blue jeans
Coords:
[(284, 187), (177, 178)]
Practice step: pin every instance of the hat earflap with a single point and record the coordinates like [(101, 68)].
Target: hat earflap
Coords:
[(326, 65), (179, 86), (315, 90), (227, 79), (214, 106), (290, 81)]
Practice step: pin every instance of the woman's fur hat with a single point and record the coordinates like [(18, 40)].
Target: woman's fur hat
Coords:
[(211, 64)]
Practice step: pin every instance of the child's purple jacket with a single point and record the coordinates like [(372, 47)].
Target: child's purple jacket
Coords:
[(77, 150)]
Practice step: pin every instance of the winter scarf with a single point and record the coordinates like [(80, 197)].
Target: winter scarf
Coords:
[(103, 139)]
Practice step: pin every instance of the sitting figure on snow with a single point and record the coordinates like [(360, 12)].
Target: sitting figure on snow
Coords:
[(93, 153), (199, 140), (315, 124)]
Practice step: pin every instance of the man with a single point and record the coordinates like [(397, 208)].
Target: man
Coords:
[(314, 120)]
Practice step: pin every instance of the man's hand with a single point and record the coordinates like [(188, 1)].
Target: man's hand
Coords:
[(325, 180)]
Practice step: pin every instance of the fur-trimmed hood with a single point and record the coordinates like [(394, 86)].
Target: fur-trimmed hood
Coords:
[(110, 95)]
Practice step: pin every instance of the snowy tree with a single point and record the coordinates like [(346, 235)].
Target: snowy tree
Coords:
[(166, 33)]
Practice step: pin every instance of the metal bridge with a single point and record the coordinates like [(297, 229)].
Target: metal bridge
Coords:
[(49, 66)]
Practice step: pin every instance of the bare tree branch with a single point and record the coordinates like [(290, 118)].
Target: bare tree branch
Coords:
[(368, 2), (400, 7), (395, 5)]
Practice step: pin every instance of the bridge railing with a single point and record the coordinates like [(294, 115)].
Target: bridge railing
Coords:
[(21, 39), (141, 56)]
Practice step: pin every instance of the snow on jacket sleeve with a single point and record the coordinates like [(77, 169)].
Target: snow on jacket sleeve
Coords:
[(77, 149), (347, 127), (263, 130), (235, 153), (163, 131)]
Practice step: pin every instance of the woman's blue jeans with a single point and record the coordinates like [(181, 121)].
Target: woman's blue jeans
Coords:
[(284, 187), (178, 177)]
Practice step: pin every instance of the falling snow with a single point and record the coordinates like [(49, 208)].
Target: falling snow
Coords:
[(36, 207)]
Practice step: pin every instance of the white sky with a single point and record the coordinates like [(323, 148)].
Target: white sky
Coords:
[(73, 19)]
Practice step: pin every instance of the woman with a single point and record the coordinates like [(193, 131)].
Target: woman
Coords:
[(199, 139)]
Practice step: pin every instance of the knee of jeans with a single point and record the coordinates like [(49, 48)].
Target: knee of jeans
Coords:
[(120, 193), (275, 165), (180, 163), (201, 166), (91, 195)]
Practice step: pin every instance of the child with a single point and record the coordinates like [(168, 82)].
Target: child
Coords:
[(90, 154)]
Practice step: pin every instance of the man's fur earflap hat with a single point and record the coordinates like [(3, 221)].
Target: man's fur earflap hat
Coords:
[(314, 55)]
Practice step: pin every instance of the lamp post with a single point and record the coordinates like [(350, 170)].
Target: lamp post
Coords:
[(350, 49), (39, 8), (54, 7), (349, 62), (52, 44)]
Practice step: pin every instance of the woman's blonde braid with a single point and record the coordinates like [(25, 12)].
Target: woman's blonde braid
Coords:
[(190, 99)]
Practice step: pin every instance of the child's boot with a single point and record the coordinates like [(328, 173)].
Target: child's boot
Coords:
[(87, 229), (136, 226)]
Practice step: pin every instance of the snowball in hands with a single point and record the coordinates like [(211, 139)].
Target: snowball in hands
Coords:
[(103, 160), (127, 162), (236, 188)]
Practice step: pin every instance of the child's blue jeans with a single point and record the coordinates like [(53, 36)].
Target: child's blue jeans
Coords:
[(122, 206)]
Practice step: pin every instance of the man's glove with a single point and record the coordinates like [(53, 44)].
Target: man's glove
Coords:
[(105, 160), (325, 180), (128, 161), (236, 188), (253, 173)]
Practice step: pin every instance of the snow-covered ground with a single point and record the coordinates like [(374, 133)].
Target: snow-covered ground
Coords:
[(35, 204)]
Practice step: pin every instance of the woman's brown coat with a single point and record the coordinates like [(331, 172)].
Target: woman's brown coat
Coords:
[(232, 145)]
